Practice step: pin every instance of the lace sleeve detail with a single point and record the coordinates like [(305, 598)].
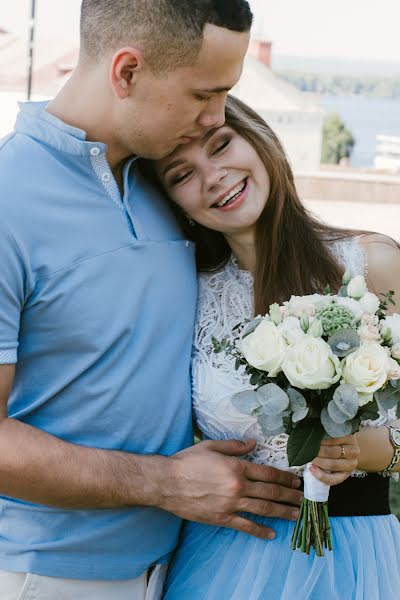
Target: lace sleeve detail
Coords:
[(353, 257)]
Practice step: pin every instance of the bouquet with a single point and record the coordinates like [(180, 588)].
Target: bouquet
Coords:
[(319, 366)]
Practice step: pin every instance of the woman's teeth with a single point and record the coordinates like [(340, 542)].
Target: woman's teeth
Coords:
[(232, 194)]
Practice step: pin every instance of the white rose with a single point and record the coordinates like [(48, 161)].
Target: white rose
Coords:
[(307, 305), (264, 348), (395, 351), (310, 364), (394, 369), (367, 368), (291, 330), (370, 319), (393, 321), (356, 287), (369, 333), (351, 304), (369, 303)]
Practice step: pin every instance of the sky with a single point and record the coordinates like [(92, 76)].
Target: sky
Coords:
[(356, 29)]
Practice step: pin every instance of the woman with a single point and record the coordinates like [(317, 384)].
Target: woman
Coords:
[(257, 244)]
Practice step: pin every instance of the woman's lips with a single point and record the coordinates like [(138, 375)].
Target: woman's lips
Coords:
[(238, 200)]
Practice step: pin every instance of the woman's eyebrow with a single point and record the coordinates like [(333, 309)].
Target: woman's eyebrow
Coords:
[(180, 161), (173, 164)]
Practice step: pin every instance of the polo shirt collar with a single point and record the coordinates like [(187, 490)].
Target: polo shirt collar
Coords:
[(33, 120)]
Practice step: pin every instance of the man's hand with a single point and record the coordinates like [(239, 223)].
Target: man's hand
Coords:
[(210, 484)]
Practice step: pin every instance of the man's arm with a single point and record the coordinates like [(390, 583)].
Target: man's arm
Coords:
[(207, 483)]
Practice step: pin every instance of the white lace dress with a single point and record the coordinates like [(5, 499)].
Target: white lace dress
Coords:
[(225, 299), (216, 563)]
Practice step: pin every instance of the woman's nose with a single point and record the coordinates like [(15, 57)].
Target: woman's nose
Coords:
[(214, 175)]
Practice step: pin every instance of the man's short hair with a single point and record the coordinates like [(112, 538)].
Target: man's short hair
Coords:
[(168, 32)]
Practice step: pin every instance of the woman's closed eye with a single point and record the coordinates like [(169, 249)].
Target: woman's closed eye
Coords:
[(180, 177), (221, 146)]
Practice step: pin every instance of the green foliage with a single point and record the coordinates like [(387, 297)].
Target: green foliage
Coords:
[(304, 442), (395, 497), (337, 141), (340, 85)]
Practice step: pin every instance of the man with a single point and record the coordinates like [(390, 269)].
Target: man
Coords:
[(97, 301)]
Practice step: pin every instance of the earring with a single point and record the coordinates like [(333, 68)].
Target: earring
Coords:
[(190, 221)]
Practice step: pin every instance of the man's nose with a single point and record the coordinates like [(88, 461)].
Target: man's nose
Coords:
[(214, 114)]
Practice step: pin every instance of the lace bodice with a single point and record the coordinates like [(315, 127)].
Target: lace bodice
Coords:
[(225, 299)]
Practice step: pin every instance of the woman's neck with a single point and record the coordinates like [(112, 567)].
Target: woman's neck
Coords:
[(243, 247)]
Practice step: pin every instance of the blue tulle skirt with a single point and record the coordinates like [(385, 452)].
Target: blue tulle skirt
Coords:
[(214, 563)]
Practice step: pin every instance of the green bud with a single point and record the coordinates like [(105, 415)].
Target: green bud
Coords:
[(275, 314), (304, 323), (387, 335), (316, 329), (346, 278)]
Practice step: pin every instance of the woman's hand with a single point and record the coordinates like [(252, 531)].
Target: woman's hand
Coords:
[(337, 459)]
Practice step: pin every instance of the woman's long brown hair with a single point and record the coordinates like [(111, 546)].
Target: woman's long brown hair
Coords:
[(293, 253)]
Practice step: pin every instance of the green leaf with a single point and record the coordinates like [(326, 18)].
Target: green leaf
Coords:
[(304, 442), (273, 399), (333, 429), (255, 378), (252, 326), (237, 363), (246, 402), (344, 404)]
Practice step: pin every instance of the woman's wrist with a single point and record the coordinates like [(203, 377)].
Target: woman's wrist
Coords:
[(376, 450)]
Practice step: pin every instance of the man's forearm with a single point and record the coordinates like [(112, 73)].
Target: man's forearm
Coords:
[(43, 469)]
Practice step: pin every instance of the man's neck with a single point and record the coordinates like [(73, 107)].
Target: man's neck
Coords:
[(83, 106)]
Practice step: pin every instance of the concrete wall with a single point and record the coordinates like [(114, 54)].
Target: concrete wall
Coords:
[(348, 186)]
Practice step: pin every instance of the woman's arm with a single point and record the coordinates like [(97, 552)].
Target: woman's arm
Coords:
[(383, 260)]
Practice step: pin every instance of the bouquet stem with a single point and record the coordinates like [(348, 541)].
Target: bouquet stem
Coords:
[(312, 529)]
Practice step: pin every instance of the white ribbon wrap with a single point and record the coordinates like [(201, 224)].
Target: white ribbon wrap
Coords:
[(314, 489)]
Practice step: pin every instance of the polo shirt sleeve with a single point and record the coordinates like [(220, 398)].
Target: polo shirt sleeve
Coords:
[(12, 293)]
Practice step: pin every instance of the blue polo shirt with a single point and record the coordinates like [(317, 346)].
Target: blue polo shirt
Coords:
[(97, 306)]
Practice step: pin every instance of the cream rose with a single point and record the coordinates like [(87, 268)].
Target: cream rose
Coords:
[(395, 351), (392, 322), (264, 348), (353, 305), (311, 364), (394, 369), (291, 330), (367, 368), (370, 303), (306, 305), (369, 333), (356, 287)]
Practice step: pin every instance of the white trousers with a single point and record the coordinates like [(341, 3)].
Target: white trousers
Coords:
[(28, 586)]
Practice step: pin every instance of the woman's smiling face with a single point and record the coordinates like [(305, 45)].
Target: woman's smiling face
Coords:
[(219, 181)]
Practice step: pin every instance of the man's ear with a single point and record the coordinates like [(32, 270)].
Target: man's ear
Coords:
[(125, 67)]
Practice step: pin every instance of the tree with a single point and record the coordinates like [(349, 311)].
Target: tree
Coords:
[(337, 141)]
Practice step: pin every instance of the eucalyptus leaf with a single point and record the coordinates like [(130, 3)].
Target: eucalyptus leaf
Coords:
[(246, 402), (300, 414), (344, 342), (344, 404), (297, 400), (335, 430), (370, 411), (388, 398), (252, 326), (274, 399), (271, 425), (304, 442)]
